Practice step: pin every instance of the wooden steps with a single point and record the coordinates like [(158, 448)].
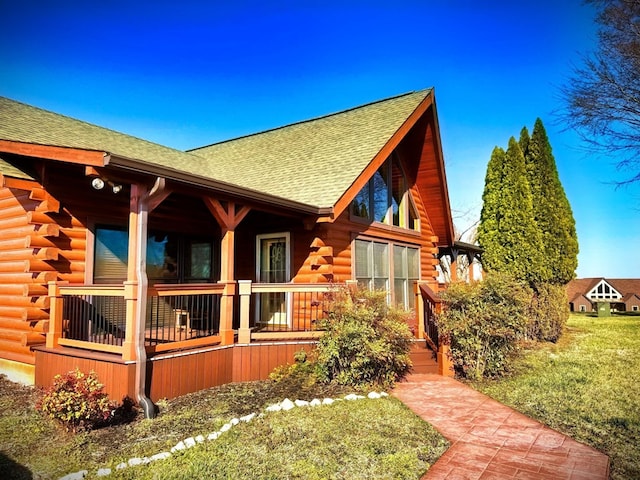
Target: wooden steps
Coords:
[(423, 358)]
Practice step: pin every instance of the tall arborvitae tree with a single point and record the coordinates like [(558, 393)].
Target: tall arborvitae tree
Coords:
[(488, 228), (508, 233), (552, 211)]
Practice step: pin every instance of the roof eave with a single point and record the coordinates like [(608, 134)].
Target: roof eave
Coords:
[(116, 161)]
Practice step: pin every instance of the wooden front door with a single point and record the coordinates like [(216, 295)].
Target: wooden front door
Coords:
[(273, 266)]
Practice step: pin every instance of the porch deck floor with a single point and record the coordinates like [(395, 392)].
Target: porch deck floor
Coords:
[(492, 441)]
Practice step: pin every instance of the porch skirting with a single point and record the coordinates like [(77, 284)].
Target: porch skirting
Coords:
[(170, 375)]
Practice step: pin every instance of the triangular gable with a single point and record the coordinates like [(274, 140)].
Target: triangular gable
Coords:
[(603, 291)]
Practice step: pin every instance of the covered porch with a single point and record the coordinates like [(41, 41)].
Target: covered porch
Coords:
[(93, 327)]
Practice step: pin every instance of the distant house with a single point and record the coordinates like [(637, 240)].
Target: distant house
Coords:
[(622, 295), (170, 271)]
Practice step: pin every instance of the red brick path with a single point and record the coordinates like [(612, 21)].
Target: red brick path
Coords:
[(492, 441)]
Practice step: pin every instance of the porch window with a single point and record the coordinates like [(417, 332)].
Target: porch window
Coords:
[(171, 257), (386, 198), (389, 267)]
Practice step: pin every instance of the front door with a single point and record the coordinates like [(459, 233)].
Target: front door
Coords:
[(273, 267)]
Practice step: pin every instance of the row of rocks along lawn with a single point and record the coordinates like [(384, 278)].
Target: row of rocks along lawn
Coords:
[(190, 442)]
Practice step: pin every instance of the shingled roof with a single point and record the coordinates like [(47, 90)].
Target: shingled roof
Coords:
[(311, 163), (316, 161)]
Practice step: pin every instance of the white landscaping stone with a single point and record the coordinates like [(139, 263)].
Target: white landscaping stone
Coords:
[(235, 421), (103, 472), (213, 436), (301, 403), (287, 404), (200, 439), (225, 427), (328, 401), (160, 456), (384, 394), (274, 408), (120, 466), (315, 402), (248, 418), (75, 475), (351, 396), (179, 446), (373, 395), (189, 442), (135, 461)]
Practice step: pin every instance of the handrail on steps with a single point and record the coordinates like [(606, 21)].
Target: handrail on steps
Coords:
[(431, 307)]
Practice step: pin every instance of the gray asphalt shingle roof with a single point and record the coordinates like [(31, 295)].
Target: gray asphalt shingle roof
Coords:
[(312, 162), (316, 161)]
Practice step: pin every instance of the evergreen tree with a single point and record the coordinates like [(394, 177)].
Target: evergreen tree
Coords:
[(488, 233), (551, 209), (507, 232)]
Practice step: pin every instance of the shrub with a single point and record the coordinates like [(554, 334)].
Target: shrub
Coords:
[(77, 401), (484, 323), (549, 312), (365, 342)]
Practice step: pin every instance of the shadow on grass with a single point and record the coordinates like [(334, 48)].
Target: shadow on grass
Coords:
[(11, 469)]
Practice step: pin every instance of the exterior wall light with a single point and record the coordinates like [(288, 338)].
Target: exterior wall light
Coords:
[(97, 183)]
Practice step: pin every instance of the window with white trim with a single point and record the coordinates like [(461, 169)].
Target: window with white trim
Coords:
[(390, 267)]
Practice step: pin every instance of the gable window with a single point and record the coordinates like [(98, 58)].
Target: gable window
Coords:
[(386, 198), (389, 267), (171, 257), (604, 291)]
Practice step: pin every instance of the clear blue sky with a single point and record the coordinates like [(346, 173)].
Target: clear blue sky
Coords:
[(186, 74)]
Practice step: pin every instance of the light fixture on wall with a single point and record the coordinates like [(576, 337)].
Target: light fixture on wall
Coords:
[(98, 183)]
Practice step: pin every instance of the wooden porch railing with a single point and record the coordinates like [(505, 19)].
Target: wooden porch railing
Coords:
[(94, 317), (431, 305), (281, 310)]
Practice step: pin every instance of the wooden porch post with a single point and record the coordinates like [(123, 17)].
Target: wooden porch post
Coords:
[(55, 315), (244, 290), (453, 273), (419, 308), (228, 219)]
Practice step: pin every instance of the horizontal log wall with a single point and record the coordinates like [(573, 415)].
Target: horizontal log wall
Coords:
[(34, 237)]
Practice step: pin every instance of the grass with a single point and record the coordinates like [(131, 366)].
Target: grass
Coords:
[(585, 386), (378, 438)]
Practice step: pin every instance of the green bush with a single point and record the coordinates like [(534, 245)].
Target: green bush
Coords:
[(77, 401), (484, 323), (549, 312), (365, 342)]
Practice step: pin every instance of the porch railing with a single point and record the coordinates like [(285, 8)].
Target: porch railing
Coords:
[(282, 310), (95, 317), (431, 304)]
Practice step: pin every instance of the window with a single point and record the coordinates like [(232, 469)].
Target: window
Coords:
[(171, 257), (603, 291), (389, 267), (634, 308), (583, 308), (386, 198)]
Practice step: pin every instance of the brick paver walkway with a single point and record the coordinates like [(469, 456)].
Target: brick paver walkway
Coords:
[(492, 441)]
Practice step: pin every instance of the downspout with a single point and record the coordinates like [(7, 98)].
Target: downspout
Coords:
[(141, 305)]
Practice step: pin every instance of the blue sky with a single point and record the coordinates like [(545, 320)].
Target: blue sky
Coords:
[(187, 74)]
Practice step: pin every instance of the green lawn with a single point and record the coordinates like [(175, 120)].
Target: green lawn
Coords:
[(368, 438), (585, 386)]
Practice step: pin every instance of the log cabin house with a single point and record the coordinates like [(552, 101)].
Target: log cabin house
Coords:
[(167, 272)]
